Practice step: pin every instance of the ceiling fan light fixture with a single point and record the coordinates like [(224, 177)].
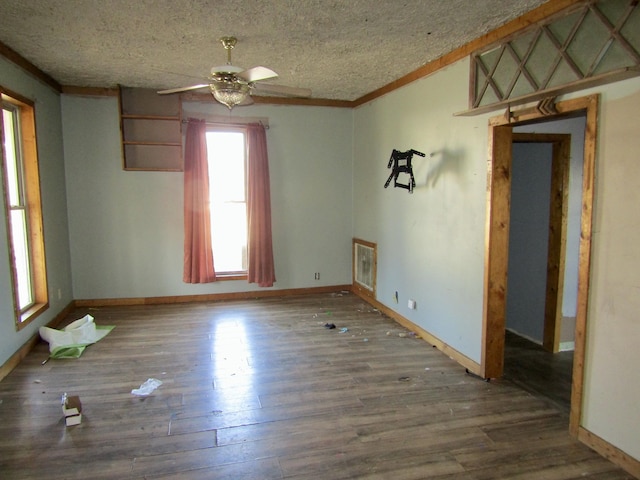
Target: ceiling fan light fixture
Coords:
[(229, 93), (231, 85)]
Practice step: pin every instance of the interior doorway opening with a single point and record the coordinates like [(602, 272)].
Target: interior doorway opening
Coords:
[(500, 166), (542, 258)]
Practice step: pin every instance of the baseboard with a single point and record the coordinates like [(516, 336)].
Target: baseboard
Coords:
[(17, 357), (610, 452), (208, 297), (451, 352), (567, 346), (537, 341)]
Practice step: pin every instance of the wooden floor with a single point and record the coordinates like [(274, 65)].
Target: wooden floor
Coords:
[(262, 390), (542, 373)]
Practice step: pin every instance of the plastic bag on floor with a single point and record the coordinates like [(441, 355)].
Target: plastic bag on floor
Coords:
[(71, 341)]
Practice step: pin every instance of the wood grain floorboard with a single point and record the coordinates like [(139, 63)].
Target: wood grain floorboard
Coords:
[(260, 389)]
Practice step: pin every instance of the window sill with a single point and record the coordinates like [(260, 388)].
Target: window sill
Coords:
[(222, 277), (30, 315)]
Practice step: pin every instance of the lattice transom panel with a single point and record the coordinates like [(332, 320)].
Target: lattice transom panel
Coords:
[(593, 43)]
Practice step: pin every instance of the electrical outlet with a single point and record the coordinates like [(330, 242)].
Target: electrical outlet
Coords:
[(59, 294), (317, 276), (395, 297), (411, 304)]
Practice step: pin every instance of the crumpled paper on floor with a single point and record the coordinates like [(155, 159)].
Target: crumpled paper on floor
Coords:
[(147, 387)]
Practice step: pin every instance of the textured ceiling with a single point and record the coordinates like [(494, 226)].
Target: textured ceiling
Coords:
[(341, 49)]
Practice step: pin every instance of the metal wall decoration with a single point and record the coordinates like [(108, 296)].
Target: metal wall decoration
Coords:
[(400, 163)]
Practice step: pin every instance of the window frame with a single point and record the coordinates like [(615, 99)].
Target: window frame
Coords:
[(237, 274), (30, 183)]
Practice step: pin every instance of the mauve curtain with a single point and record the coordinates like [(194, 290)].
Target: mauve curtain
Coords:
[(261, 269), (198, 255)]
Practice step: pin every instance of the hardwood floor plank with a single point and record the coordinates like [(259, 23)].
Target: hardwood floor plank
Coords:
[(264, 469), (260, 389)]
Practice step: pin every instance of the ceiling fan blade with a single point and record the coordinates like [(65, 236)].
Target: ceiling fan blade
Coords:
[(257, 73), (183, 89), (282, 90)]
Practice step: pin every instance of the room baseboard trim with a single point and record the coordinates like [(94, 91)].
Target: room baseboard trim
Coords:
[(208, 297), (567, 346), (610, 452), (448, 350), (17, 357)]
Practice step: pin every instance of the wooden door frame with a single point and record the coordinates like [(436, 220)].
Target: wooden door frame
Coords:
[(557, 239), (497, 238)]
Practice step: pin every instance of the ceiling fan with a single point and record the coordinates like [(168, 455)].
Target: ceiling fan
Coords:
[(231, 85)]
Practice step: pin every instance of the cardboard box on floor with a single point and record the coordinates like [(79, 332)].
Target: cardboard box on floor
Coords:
[(72, 410)]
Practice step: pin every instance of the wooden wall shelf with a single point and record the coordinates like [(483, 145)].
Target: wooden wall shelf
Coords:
[(151, 129)]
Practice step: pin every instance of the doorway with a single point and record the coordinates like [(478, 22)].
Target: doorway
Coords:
[(539, 251), (539, 209), (498, 222)]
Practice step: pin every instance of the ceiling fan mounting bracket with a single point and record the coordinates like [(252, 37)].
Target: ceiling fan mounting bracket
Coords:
[(228, 42)]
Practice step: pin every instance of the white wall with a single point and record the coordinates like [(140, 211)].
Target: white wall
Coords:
[(126, 228), (575, 127), (431, 243), (529, 239), (612, 390), (54, 211)]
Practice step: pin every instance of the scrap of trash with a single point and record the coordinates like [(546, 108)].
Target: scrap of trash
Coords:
[(405, 334), (332, 326), (71, 409), (147, 387)]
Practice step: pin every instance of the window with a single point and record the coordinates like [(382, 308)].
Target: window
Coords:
[(23, 207), (226, 150)]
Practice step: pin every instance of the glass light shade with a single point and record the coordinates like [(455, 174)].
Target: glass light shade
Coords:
[(229, 93)]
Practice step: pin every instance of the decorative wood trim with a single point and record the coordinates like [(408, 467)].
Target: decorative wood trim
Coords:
[(610, 452), (309, 102), (451, 352), (559, 210), (496, 253), (126, 116), (35, 230), (497, 232), (160, 144), (315, 102), (563, 58), (591, 105), (209, 297), (595, 81), (90, 91), (17, 357), (13, 56), (534, 16)]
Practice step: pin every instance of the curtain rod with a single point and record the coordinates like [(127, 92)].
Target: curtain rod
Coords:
[(243, 122)]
